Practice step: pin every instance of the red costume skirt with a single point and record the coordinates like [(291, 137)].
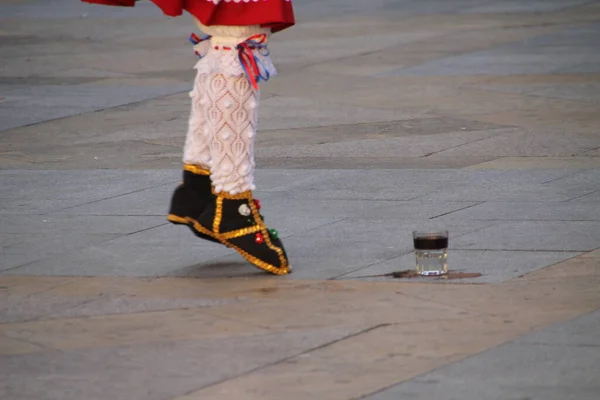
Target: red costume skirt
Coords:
[(274, 14)]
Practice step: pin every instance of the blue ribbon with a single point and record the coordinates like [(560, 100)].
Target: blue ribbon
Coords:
[(195, 40), (245, 48)]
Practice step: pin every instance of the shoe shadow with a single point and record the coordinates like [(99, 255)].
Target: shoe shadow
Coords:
[(221, 269)]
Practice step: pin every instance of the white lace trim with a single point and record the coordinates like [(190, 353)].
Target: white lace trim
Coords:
[(226, 61)]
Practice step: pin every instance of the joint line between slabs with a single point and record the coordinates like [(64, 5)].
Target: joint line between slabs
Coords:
[(560, 177), (469, 356), (82, 248), (68, 282), (106, 198), (28, 342), (522, 250), (48, 317), (138, 231), (370, 265), (583, 195), (288, 358), (466, 143), (221, 316), (583, 345), (530, 220), (460, 209), (460, 359), (101, 215), (79, 114)]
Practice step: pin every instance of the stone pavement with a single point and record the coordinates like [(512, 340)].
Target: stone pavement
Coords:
[(480, 117)]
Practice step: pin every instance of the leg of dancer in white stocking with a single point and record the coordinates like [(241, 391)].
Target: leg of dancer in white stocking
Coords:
[(196, 150), (235, 219), (194, 194), (231, 118)]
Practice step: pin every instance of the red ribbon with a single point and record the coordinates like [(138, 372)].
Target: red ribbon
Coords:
[(248, 59)]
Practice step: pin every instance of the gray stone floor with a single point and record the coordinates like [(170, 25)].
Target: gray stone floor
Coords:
[(478, 117), (556, 363), (112, 222)]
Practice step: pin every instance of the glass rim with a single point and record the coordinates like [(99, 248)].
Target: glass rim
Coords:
[(427, 233)]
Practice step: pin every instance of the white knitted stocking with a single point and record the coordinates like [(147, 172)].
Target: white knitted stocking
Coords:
[(231, 116), (196, 149)]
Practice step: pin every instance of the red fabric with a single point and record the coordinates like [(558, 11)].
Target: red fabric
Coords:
[(274, 14), (126, 3)]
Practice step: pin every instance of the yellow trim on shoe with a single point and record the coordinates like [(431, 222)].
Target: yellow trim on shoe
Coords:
[(265, 232), (224, 237), (240, 232), (192, 222), (239, 196), (218, 215), (259, 227), (196, 169), (284, 270)]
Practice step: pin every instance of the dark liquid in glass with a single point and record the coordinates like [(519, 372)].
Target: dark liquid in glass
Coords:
[(431, 243)]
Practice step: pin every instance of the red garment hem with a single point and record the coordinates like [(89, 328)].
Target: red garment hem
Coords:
[(277, 15)]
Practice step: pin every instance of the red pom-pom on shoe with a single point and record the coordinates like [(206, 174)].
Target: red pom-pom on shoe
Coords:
[(259, 238)]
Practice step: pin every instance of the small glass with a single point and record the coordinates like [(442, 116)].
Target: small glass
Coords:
[(431, 251)]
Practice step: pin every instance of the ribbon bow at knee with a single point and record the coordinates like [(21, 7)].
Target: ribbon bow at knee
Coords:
[(252, 65)]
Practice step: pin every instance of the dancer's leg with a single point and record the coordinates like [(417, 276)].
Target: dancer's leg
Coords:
[(235, 219), (231, 119), (196, 150)]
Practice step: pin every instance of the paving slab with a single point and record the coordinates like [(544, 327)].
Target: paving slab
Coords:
[(433, 162), (480, 117), (296, 113), (525, 144), (150, 371), (148, 202), (39, 192), (76, 224), (515, 6), (583, 68), (511, 192), (586, 179), (22, 249), (343, 201), (343, 209), (383, 177), (586, 92), (33, 307), (78, 100), (402, 146), (534, 235), (592, 197), (523, 369), (523, 211), (580, 331), (542, 163), (149, 253), (431, 333), (525, 57), (145, 254)]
